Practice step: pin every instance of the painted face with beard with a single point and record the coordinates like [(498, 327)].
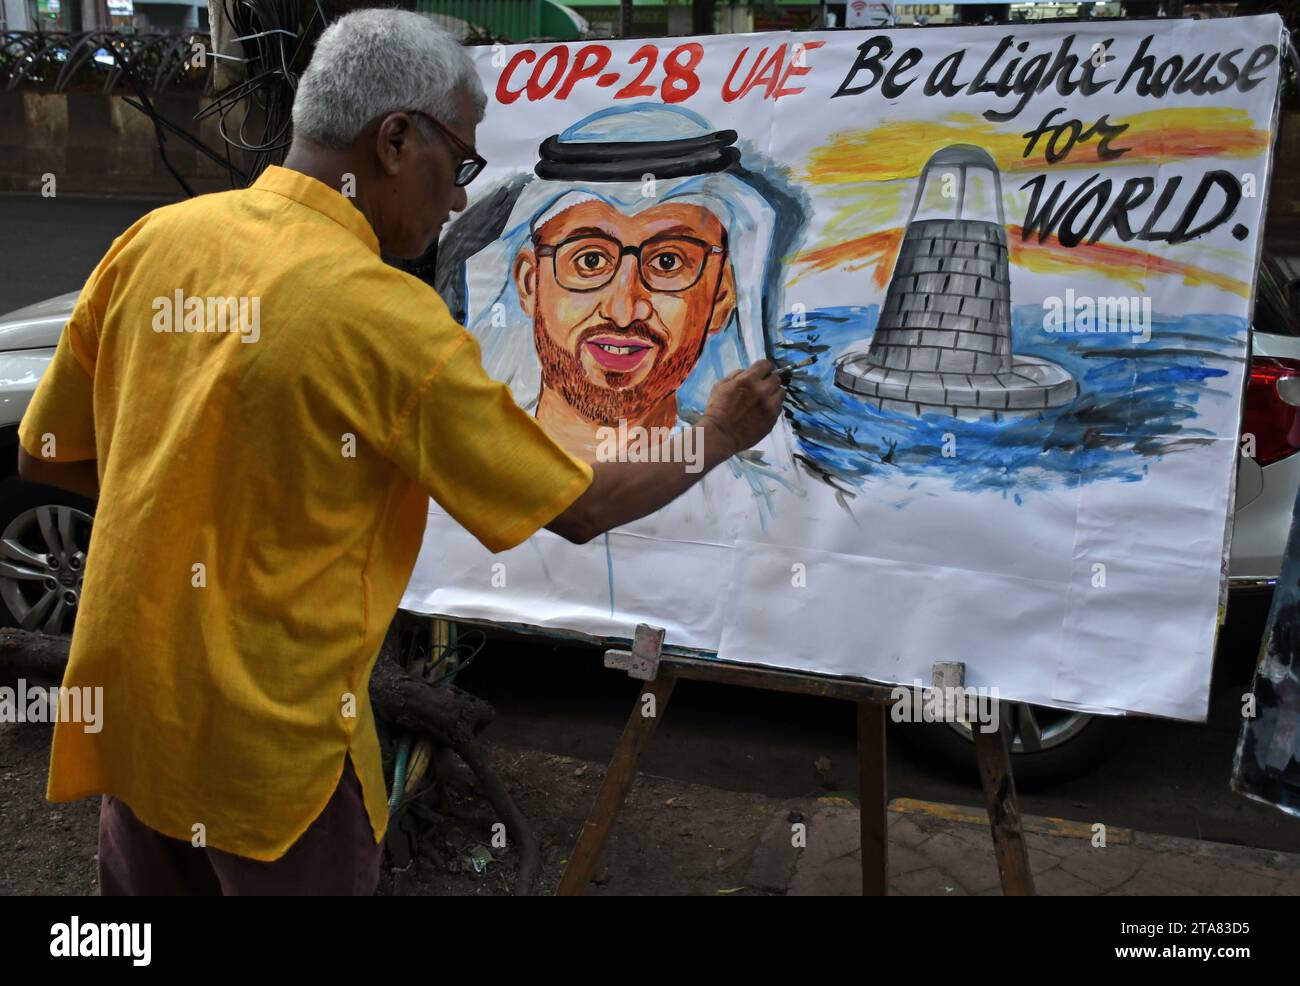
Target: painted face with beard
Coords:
[(615, 340)]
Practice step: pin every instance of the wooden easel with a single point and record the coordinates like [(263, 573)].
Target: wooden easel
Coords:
[(660, 672)]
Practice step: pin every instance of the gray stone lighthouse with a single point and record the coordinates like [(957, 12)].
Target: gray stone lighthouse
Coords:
[(943, 341)]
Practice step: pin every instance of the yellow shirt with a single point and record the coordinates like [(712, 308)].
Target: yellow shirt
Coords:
[(263, 495)]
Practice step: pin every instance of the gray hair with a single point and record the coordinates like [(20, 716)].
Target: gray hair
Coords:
[(371, 62)]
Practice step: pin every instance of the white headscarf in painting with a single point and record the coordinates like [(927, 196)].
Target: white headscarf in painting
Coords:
[(493, 313)]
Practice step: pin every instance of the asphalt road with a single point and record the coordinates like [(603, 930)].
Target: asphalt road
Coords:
[(50, 246), (1170, 777)]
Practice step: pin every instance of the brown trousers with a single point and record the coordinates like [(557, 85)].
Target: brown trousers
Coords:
[(337, 855)]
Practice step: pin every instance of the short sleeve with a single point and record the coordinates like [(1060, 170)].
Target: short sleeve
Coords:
[(484, 459), (59, 424)]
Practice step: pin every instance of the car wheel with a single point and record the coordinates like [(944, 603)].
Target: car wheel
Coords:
[(44, 538), (1047, 745)]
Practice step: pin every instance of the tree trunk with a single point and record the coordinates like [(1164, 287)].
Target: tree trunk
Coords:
[(702, 16)]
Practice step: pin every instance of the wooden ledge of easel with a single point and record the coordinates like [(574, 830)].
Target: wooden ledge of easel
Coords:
[(659, 671), (646, 661)]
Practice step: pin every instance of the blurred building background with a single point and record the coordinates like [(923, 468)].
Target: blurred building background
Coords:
[(91, 15), (111, 95), (520, 20)]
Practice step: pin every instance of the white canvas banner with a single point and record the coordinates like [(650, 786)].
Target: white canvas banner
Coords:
[(1011, 270)]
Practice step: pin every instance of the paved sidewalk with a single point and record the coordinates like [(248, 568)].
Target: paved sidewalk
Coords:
[(944, 850), (675, 838)]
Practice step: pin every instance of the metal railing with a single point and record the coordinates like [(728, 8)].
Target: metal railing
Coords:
[(103, 61)]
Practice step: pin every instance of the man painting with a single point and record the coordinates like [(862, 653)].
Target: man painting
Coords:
[(260, 506)]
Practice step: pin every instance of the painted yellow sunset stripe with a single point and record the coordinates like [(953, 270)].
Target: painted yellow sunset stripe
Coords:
[(1171, 135), (1130, 265), (899, 149)]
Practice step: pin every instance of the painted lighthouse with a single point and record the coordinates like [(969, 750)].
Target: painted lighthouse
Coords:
[(943, 341)]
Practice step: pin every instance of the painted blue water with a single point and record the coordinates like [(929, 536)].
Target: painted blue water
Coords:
[(1137, 402)]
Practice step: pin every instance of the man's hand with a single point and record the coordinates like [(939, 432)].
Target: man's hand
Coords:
[(80, 477), (745, 404)]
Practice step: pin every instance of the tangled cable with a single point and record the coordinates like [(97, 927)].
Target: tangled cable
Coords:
[(277, 37)]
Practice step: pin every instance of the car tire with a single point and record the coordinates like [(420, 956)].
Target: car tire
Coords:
[(21, 507), (1080, 743)]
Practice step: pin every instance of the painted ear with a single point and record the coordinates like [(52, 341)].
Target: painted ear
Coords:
[(724, 302), (525, 274)]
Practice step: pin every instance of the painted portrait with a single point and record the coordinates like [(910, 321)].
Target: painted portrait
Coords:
[(635, 266)]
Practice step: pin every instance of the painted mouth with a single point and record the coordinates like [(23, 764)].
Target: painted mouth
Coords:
[(618, 353)]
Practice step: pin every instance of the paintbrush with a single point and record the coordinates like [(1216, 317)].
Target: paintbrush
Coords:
[(785, 372)]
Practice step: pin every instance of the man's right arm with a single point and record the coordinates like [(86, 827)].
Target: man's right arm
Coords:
[(460, 435), (742, 409)]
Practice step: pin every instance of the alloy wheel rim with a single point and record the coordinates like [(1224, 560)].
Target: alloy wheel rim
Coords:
[(1034, 728), (42, 566)]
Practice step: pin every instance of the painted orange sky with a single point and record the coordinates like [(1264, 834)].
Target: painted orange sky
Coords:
[(1130, 265), (873, 250), (900, 149), (864, 169)]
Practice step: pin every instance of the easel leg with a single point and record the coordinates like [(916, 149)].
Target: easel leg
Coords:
[(993, 753), (618, 780), (874, 798)]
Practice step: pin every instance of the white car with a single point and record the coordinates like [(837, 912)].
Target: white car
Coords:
[(44, 532)]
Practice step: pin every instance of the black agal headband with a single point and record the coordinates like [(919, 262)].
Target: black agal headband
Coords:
[(632, 160)]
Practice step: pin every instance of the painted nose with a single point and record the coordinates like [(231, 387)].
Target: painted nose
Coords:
[(626, 299)]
